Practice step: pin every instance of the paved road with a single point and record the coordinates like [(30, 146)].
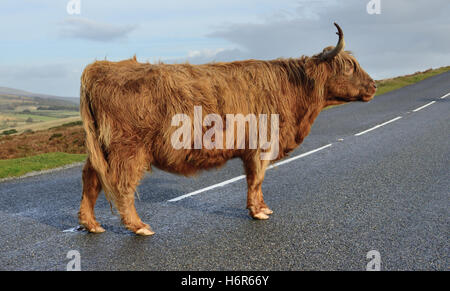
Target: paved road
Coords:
[(385, 190)]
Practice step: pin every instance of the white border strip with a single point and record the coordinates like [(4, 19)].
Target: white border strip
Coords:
[(377, 126), (243, 176), (446, 95), (422, 107)]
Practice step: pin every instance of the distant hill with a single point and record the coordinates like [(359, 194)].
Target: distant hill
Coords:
[(22, 93), (5, 90), (12, 102), (25, 111)]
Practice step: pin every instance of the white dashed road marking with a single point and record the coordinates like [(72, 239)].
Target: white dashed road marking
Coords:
[(293, 158), (298, 157), (208, 188), (422, 107), (377, 126), (243, 176)]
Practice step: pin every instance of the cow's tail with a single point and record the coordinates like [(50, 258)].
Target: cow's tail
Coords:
[(95, 147)]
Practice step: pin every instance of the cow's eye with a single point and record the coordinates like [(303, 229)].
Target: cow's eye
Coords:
[(349, 70)]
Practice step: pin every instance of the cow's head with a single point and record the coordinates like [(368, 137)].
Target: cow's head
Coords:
[(339, 75)]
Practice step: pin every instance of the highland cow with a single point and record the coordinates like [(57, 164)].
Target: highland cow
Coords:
[(127, 108)]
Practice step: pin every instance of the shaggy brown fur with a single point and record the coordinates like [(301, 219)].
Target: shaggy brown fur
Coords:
[(127, 108)]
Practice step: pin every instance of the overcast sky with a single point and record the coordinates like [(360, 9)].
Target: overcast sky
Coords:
[(44, 49)]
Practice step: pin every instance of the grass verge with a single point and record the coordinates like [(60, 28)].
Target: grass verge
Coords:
[(21, 166), (392, 84)]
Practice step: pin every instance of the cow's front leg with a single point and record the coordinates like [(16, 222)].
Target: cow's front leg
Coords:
[(129, 215), (255, 170), (125, 175)]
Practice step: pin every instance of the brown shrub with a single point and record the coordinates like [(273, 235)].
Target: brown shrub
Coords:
[(60, 139)]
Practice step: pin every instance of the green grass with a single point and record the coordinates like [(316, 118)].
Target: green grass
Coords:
[(55, 113), (21, 166), (388, 85), (24, 116), (13, 119)]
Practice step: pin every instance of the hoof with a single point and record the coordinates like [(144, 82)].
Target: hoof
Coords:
[(97, 229), (144, 232), (266, 211), (260, 216), (92, 226)]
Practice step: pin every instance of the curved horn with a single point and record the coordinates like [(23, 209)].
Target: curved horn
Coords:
[(339, 47)]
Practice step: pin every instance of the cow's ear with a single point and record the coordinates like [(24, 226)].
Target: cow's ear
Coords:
[(317, 72)]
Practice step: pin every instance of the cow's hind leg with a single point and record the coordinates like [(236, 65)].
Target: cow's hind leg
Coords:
[(126, 174), (91, 189), (255, 170)]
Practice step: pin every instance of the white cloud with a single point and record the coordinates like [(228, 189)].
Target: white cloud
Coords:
[(407, 35), (204, 53), (91, 30)]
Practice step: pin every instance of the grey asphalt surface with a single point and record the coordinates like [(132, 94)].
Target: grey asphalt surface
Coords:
[(387, 190)]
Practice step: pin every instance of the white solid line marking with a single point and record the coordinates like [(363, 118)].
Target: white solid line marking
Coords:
[(377, 126), (446, 95), (422, 107), (243, 176)]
